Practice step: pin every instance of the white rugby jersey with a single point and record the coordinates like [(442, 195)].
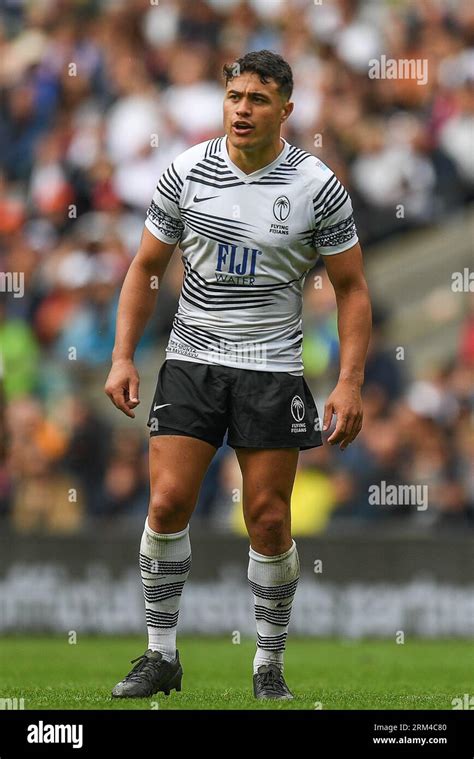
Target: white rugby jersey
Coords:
[(247, 242)]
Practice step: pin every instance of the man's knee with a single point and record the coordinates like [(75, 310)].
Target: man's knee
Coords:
[(267, 514), (168, 510)]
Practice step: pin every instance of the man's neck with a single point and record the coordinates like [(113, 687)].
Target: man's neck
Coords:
[(250, 161)]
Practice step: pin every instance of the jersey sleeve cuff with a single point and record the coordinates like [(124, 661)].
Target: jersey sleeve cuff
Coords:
[(332, 249), (159, 234)]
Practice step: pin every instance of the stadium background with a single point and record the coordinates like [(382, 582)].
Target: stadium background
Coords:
[(96, 98)]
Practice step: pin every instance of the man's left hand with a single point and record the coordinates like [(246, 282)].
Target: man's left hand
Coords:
[(345, 401)]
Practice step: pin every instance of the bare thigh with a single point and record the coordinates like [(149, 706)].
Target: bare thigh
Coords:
[(177, 468), (268, 477)]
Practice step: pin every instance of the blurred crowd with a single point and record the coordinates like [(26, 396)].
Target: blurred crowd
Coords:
[(96, 98)]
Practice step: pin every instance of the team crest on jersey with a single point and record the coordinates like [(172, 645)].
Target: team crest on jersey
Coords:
[(281, 208), (297, 412), (281, 211)]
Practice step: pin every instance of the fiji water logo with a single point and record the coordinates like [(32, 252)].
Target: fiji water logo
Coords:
[(236, 264), (297, 408)]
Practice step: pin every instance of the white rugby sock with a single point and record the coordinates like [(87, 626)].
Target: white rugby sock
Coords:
[(273, 580), (165, 561)]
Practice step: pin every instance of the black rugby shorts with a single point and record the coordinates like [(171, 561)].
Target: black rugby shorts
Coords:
[(259, 409)]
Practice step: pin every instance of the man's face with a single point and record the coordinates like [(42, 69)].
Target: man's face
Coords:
[(253, 112)]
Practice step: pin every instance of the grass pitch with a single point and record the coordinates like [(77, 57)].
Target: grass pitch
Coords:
[(49, 673)]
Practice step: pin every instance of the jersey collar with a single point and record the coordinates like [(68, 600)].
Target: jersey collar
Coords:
[(260, 172)]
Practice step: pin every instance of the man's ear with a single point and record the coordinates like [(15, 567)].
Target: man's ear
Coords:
[(287, 110)]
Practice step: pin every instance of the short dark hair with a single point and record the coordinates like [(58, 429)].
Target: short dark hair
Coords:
[(267, 65)]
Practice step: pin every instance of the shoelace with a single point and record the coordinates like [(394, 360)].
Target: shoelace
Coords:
[(145, 668), (273, 680)]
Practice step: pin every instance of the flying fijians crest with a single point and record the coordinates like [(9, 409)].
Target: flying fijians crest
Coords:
[(297, 408), (297, 412), (281, 211), (281, 208)]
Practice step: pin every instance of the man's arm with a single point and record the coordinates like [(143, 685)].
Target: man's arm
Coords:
[(346, 273), (136, 304)]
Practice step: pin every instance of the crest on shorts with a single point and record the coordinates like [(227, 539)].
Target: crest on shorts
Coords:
[(297, 408)]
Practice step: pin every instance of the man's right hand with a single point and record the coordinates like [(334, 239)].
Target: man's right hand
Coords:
[(122, 386)]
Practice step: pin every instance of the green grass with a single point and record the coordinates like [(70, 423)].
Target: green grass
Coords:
[(51, 674)]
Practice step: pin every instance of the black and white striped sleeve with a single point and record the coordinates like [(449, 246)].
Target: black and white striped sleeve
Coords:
[(163, 218), (334, 226)]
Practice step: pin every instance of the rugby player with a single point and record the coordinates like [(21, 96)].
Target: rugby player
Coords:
[(251, 213)]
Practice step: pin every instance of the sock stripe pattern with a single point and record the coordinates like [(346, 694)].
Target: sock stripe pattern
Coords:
[(280, 617), (273, 581), (153, 593), (161, 618), (156, 567), (282, 591), (165, 562), (272, 643)]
